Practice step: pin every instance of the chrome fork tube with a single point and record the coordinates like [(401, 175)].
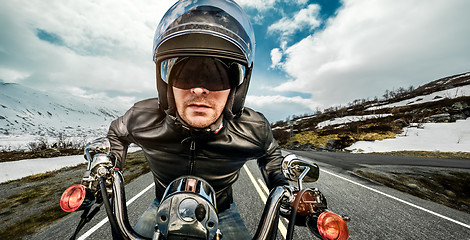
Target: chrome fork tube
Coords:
[(270, 217), (120, 209)]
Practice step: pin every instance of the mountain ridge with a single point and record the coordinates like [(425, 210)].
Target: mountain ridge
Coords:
[(28, 111), (336, 128)]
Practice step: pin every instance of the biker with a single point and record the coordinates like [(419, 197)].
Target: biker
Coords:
[(203, 51)]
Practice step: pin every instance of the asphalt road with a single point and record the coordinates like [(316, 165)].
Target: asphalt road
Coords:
[(348, 161), (376, 212)]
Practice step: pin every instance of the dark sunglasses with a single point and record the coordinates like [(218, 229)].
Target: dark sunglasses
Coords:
[(211, 73)]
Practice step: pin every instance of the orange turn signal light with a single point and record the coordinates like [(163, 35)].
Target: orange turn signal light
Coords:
[(332, 227), (72, 198)]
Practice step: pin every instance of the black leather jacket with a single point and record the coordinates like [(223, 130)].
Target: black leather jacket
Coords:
[(172, 150)]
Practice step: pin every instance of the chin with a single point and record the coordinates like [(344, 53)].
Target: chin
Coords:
[(199, 122), (199, 125)]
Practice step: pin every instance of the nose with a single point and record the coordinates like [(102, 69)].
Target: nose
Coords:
[(199, 90)]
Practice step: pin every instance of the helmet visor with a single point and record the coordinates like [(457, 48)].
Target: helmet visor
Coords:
[(213, 74), (221, 18)]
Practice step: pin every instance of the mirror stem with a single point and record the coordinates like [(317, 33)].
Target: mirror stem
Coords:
[(88, 156), (301, 178)]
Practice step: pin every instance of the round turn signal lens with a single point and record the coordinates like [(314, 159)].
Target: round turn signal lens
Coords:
[(332, 227), (72, 198)]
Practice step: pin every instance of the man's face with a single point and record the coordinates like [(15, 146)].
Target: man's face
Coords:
[(198, 106), (201, 86)]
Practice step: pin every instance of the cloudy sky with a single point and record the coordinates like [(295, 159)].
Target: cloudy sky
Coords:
[(310, 55)]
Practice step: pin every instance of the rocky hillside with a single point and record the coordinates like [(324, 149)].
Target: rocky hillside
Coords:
[(443, 100)]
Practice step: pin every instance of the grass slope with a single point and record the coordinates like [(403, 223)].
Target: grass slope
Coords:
[(31, 203)]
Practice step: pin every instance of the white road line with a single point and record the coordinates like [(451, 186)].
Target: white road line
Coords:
[(266, 190), (263, 186), (257, 187), (93, 229), (399, 200), (263, 197), (140, 194), (105, 220)]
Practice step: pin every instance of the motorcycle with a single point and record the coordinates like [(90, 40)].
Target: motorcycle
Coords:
[(188, 207)]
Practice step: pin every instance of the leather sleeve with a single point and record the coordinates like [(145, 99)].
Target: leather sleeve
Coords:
[(118, 135), (142, 115), (270, 163)]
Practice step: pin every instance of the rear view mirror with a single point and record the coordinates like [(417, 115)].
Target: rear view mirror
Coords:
[(99, 145), (294, 169)]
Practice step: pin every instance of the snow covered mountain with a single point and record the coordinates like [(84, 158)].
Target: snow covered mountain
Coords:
[(28, 112)]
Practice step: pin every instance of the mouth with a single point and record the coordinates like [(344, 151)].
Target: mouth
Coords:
[(199, 106)]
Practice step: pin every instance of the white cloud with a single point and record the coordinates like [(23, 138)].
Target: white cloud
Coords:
[(260, 101), (104, 45), (300, 2), (277, 107), (118, 100), (276, 56), (305, 18), (12, 76), (260, 5), (371, 46), (264, 5), (97, 27)]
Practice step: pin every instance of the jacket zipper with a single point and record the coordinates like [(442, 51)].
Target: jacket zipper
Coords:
[(192, 159)]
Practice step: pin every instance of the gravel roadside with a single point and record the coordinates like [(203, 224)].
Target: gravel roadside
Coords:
[(447, 186)]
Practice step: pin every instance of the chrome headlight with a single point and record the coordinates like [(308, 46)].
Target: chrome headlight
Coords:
[(188, 210)]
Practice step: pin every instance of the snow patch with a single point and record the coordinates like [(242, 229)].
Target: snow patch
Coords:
[(23, 168), (349, 119), (443, 137), (436, 96)]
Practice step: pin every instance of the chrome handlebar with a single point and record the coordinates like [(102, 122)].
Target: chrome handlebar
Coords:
[(120, 208), (266, 226)]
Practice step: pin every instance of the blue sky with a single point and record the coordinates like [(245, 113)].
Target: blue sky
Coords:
[(310, 55)]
